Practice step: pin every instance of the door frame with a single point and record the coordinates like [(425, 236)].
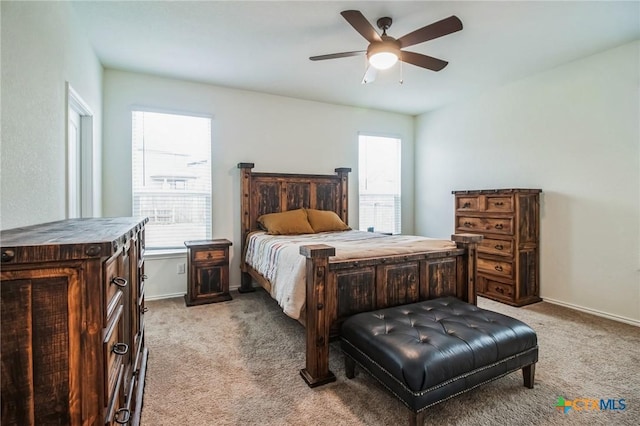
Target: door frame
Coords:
[(77, 104)]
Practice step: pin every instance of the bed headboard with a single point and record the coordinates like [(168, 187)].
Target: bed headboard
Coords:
[(263, 193)]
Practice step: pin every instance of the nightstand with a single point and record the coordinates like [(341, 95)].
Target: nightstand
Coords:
[(208, 271)]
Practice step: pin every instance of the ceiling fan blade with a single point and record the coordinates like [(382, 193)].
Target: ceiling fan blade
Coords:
[(361, 25), (337, 55), (423, 61), (370, 75), (437, 29)]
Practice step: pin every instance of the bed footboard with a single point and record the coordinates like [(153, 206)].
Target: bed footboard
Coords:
[(336, 290)]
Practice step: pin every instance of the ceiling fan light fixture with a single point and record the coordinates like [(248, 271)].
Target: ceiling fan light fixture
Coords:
[(384, 55)]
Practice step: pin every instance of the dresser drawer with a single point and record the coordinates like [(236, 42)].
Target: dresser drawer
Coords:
[(485, 224), (214, 255), (112, 285), (495, 267), (499, 203), (116, 399), (498, 247), (113, 351), (496, 289), (467, 203)]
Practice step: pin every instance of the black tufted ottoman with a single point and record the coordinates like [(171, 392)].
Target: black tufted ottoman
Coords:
[(427, 352)]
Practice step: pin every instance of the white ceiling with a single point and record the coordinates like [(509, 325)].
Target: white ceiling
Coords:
[(264, 46)]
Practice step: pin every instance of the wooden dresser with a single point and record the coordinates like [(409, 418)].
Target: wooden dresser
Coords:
[(508, 256), (73, 349)]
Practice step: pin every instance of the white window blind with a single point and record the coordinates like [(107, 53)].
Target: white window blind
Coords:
[(379, 184), (171, 162)]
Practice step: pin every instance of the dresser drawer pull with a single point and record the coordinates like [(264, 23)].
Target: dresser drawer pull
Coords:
[(500, 290), (144, 277), (120, 349), (468, 224), (466, 205), (144, 311), (8, 255), (499, 226), (119, 281), (498, 268), (499, 203), (126, 415), (499, 246)]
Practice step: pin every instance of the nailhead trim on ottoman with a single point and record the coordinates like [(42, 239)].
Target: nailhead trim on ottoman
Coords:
[(427, 352)]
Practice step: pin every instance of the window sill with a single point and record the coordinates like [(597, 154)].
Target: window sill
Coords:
[(165, 254)]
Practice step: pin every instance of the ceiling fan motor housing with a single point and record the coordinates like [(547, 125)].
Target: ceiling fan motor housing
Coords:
[(388, 44)]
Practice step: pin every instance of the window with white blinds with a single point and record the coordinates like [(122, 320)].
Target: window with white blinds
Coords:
[(379, 183), (171, 172)]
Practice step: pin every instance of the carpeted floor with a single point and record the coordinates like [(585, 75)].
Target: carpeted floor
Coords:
[(237, 363)]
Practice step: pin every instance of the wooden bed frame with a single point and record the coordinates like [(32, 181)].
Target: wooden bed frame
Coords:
[(338, 289)]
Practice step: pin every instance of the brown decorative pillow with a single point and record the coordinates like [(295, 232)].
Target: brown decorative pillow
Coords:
[(325, 220), (290, 222)]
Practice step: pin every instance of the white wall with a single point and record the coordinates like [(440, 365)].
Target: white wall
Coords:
[(276, 133), (41, 50), (573, 132)]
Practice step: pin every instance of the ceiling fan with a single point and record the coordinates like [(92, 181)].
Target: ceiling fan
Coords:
[(384, 51)]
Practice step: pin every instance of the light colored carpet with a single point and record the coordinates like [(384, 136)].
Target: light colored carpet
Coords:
[(237, 363)]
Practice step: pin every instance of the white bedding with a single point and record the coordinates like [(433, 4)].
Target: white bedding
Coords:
[(278, 258)]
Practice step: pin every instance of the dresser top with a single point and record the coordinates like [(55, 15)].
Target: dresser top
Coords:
[(72, 238), (498, 191)]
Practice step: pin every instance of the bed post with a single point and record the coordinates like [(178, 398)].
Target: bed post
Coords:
[(245, 224), (319, 305), (468, 270), (343, 173)]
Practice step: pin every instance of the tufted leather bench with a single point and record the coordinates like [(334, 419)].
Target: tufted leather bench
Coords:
[(427, 352)]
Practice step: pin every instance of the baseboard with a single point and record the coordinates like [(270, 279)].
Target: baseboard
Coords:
[(163, 296), (594, 312), (172, 295)]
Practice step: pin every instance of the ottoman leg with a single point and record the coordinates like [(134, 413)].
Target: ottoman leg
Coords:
[(416, 419), (528, 373), (349, 367)]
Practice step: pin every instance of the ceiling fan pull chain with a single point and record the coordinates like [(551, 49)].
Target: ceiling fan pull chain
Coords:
[(401, 79)]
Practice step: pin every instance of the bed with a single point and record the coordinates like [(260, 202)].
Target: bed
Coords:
[(338, 286)]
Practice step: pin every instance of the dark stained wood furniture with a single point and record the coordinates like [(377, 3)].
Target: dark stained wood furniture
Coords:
[(508, 256), (208, 276), (428, 352), (337, 289), (73, 350)]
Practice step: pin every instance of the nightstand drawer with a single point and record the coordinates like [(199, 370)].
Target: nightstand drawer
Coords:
[(485, 224), (216, 255)]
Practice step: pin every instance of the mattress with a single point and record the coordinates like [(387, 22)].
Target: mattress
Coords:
[(278, 258)]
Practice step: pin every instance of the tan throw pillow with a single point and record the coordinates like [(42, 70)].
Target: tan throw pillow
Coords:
[(326, 220), (290, 222)]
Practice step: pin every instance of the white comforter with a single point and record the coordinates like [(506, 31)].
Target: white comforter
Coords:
[(278, 258)]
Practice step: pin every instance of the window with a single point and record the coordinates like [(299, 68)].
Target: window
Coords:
[(379, 182), (172, 177)]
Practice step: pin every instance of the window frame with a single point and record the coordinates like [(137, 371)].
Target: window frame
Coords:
[(164, 251), (398, 207)]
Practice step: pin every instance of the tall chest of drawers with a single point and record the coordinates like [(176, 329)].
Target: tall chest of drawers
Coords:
[(73, 349), (508, 256)]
